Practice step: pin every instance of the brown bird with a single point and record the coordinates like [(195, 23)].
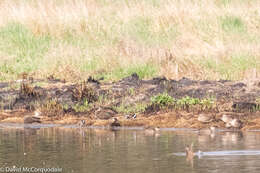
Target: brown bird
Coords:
[(204, 118), (115, 123), (189, 152), (236, 123), (33, 119), (227, 118)]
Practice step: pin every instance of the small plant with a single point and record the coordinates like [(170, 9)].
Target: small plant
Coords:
[(207, 103), (131, 91), (258, 104), (26, 90), (52, 108), (82, 107), (187, 102), (137, 108), (84, 92), (257, 100), (162, 100)]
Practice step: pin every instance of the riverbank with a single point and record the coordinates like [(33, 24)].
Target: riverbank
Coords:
[(157, 102)]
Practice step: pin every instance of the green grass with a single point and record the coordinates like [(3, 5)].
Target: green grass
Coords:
[(165, 101), (137, 108), (126, 36), (146, 70), (233, 66), (162, 100), (23, 46), (233, 24)]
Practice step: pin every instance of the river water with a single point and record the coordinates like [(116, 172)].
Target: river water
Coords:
[(134, 150)]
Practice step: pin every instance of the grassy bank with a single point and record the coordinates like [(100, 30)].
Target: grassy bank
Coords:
[(217, 39)]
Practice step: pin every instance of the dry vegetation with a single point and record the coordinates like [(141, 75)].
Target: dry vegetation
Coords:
[(72, 39)]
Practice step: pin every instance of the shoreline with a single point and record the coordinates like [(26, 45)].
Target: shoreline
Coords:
[(163, 120), (157, 102)]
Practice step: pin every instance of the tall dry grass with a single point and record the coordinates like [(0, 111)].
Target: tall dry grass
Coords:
[(76, 38)]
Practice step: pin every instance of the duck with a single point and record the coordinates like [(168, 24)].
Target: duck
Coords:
[(236, 123), (82, 123), (226, 118), (207, 131), (115, 123), (33, 119), (204, 118), (189, 152), (228, 125), (151, 131), (131, 116)]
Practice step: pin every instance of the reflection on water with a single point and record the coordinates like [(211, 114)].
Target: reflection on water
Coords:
[(133, 150)]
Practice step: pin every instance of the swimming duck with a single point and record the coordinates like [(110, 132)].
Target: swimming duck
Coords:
[(204, 118), (207, 131), (82, 123), (236, 123), (115, 123), (189, 152), (33, 119), (151, 130), (226, 118)]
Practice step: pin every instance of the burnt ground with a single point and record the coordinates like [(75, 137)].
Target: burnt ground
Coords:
[(97, 102)]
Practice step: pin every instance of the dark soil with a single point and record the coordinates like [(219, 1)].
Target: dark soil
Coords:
[(95, 99)]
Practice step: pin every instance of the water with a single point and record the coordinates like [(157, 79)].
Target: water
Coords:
[(69, 149)]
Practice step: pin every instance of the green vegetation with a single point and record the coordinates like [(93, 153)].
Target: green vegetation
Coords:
[(185, 103), (163, 100), (137, 108), (233, 67), (232, 24), (258, 104), (216, 38), (24, 49), (81, 107)]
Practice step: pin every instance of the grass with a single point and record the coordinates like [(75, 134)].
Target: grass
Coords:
[(165, 101), (232, 24), (137, 108), (113, 39)]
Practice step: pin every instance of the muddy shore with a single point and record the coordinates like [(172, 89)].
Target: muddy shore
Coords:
[(97, 102)]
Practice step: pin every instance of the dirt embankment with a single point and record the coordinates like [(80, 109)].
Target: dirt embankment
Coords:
[(156, 102)]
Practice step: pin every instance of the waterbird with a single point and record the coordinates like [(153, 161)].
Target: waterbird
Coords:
[(210, 130), (189, 152), (226, 118), (33, 119), (115, 123), (133, 116), (204, 118), (151, 130), (81, 123), (228, 125), (236, 123)]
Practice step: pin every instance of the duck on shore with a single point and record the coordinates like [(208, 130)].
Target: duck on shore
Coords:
[(82, 123), (204, 118), (231, 122), (115, 123), (227, 118), (236, 123), (36, 118)]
